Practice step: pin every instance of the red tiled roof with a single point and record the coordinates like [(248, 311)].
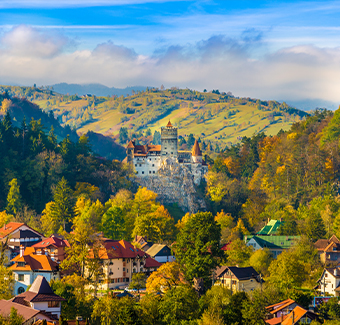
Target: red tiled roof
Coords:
[(131, 144), (112, 249), (151, 263), (54, 241), (9, 228), (169, 125)]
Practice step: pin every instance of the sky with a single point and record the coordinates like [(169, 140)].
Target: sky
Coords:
[(280, 50)]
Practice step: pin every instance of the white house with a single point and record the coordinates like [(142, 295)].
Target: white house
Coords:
[(329, 281), (30, 264), (42, 298)]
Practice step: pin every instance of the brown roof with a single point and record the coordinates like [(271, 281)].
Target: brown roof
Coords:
[(9, 228), (169, 125), (131, 144), (297, 313), (39, 291), (26, 312), (322, 244), (196, 151)]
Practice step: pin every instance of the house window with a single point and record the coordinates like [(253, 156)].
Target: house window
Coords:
[(326, 275), (21, 290), (127, 280), (123, 269), (53, 304), (135, 165), (21, 263), (21, 277)]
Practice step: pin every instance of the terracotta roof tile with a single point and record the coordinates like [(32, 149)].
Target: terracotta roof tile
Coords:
[(298, 313), (196, 151), (9, 228), (34, 262), (151, 263), (169, 125), (54, 241)]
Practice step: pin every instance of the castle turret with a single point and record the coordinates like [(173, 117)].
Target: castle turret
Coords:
[(196, 153), (169, 141), (130, 151)]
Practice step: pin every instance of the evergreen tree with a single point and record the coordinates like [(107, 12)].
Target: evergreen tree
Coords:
[(62, 209), (14, 200)]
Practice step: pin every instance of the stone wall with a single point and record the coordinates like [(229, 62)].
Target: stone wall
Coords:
[(174, 183)]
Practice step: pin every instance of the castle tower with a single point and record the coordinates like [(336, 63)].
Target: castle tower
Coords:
[(130, 151), (169, 141), (196, 153)]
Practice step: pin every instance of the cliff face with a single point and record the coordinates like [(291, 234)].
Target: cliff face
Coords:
[(174, 183)]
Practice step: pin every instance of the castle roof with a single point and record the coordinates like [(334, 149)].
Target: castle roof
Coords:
[(169, 125), (196, 151), (131, 144)]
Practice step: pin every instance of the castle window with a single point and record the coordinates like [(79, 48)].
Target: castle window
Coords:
[(135, 165), (140, 165), (150, 159), (153, 165), (149, 171), (142, 172), (165, 148), (172, 153), (153, 171), (136, 172)]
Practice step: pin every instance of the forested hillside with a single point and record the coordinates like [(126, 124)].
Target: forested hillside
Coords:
[(217, 119)]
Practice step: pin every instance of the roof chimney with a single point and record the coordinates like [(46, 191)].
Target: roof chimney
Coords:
[(22, 249), (5, 227)]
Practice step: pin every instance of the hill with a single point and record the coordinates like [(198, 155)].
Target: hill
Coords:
[(217, 118), (94, 89), (21, 108)]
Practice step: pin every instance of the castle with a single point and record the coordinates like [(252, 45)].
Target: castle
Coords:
[(149, 159)]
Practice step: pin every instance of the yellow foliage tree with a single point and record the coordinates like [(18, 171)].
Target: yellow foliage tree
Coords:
[(167, 276), (4, 218), (6, 104), (180, 224)]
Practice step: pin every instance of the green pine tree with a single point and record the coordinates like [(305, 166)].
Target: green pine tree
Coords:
[(14, 200)]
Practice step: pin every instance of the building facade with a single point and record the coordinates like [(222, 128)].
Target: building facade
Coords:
[(148, 159)]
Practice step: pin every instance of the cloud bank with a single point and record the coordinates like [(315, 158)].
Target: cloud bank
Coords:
[(29, 55)]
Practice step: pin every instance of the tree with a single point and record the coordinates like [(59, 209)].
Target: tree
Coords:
[(6, 282), (158, 226), (14, 200), (4, 218), (179, 304), (112, 223), (62, 209), (123, 135), (111, 311), (12, 319), (138, 281), (260, 260), (239, 252), (169, 275), (197, 247)]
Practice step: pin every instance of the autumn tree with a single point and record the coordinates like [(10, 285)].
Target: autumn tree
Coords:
[(14, 200)]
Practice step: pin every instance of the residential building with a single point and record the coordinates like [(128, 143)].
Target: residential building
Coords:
[(142, 242), (271, 228), (238, 278), (38, 303), (161, 253), (278, 312), (18, 234), (54, 246), (148, 159), (276, 244), (120, 259), (329, 250), (299, 315), (29, 264), (329, 282)]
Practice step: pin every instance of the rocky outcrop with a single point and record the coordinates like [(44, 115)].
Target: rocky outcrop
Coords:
[(174, 183)]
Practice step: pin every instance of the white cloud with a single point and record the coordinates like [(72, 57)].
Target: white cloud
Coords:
[(26, 41), (298, 72)]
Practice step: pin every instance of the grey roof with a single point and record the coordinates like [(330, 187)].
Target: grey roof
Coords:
[(241, 273), (155, 249), (40, 285)]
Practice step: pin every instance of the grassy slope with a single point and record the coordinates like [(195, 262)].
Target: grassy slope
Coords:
[(225, 119)]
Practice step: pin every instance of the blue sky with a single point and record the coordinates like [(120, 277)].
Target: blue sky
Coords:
[(285, 50)]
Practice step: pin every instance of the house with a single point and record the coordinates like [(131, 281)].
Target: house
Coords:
[(41, 297), (329, 282), (29, 264), (120, 259), (238, 278), (329, 250), (299, 315), (54, 246), (18, 234), (38, 303), (271, 227), (278, 312), (142, 242), (276, 244), (161, 253)]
